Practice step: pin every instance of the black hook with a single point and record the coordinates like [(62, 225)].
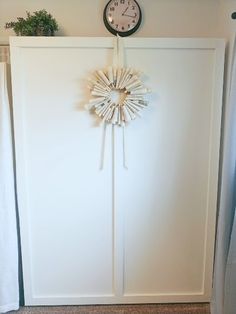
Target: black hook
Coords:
[(233, 15)]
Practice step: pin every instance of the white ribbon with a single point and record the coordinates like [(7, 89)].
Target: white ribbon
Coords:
[(118, 52), (124, 148), (103, 145), (118, 62)]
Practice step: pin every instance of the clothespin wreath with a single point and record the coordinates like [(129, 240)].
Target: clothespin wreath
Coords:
[(123, 80)]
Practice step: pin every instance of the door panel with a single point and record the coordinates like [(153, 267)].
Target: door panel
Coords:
[(145, 234)]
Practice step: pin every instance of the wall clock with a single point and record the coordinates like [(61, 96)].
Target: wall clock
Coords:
[(122, 17)]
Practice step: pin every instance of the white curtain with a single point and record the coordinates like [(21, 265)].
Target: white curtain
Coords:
[(230, 280), (224, 282), (9, 287)]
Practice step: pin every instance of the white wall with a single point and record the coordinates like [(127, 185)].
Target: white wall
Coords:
[(227, 25), (161, 18)]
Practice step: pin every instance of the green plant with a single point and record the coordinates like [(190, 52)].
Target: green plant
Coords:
[(41, 23)]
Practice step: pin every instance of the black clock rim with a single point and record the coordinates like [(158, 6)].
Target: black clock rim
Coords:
[(122, 34)]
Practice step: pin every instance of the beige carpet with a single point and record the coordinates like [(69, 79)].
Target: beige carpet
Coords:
[(120, 309)]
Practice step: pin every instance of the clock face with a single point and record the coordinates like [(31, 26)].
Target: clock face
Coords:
[(122, 17)]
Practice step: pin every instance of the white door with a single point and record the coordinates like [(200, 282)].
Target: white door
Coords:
[(145, 234)]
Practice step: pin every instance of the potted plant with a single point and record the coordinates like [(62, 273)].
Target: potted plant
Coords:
[(40, 23)]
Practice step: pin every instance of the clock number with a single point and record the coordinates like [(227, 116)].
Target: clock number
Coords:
[(112, 9), (133, 7), (116, 3), (122, 1), (117, 25)]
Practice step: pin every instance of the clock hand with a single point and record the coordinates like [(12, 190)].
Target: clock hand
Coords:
[(125, 11), (129, 15)]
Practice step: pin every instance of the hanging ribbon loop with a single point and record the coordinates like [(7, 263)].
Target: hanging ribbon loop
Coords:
[(118, 52)]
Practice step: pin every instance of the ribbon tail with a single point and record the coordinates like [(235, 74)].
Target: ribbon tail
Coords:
[(124, 147), (103, 145)]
